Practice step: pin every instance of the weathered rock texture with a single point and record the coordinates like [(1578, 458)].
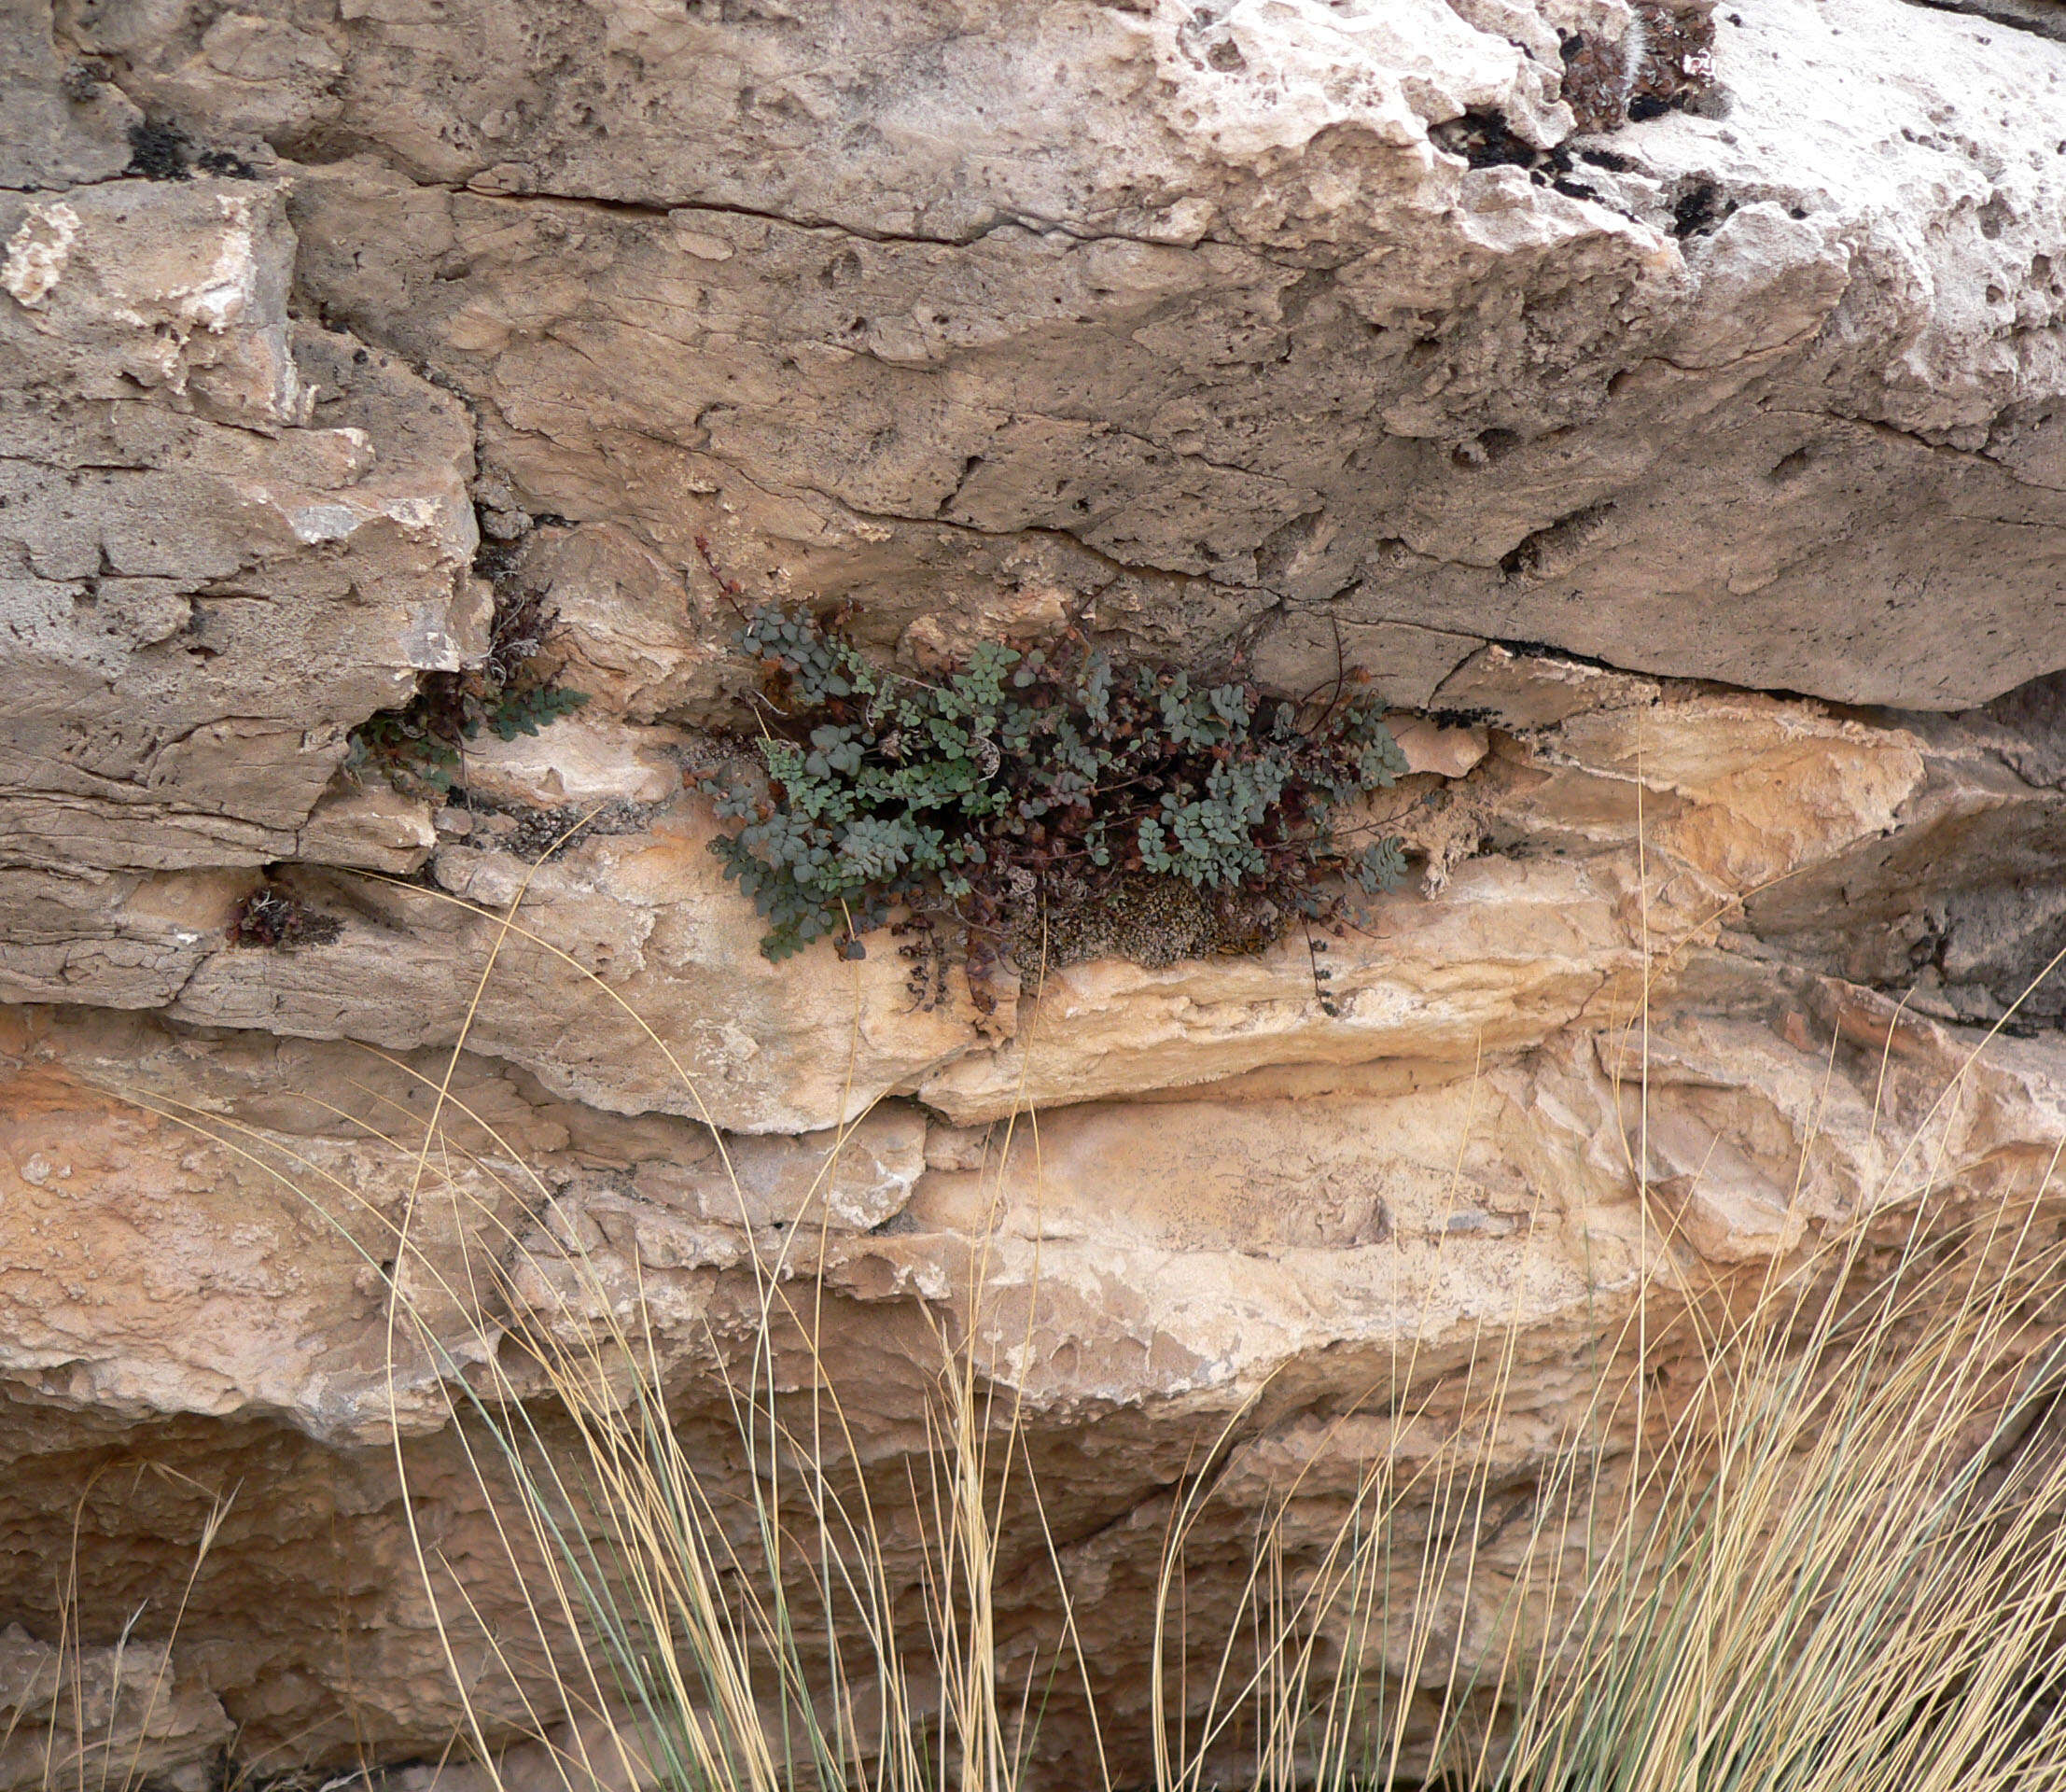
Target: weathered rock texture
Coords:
[(1666, 407)]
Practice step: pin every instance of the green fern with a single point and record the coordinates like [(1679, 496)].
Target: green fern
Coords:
[(525, 712), (950, 798)]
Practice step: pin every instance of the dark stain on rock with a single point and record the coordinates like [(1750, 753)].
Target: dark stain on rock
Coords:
[(1699, 210), (158, 150), (1485, 140)]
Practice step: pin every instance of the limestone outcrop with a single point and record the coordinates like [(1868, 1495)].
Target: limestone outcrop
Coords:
[(1665, 405)]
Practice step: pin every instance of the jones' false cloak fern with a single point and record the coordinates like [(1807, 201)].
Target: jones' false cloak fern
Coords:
[(1020, 775)]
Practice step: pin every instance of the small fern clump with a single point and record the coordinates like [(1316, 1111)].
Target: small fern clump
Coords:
[(525, 712), (1019, 778), (512, 692)]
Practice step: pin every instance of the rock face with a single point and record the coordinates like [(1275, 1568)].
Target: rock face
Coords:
[(1666, 407)]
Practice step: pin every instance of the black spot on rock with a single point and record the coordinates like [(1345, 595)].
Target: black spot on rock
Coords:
[(158, 150), (220, 162), (1699, 209), (1484, 140)]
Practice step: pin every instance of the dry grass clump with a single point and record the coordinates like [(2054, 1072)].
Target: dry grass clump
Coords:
[(1831, 1560), (1834, 1562), (1823, 1554)]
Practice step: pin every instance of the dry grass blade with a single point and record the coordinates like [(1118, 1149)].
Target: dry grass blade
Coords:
[(102, 1716)]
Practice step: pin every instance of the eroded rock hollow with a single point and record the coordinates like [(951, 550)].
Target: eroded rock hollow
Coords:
[(1665, 405)]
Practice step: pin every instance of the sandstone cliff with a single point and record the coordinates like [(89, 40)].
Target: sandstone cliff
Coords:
[(1666, 406)]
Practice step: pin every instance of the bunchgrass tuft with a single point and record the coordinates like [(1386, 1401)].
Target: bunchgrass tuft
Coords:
[(1804, 1535)]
